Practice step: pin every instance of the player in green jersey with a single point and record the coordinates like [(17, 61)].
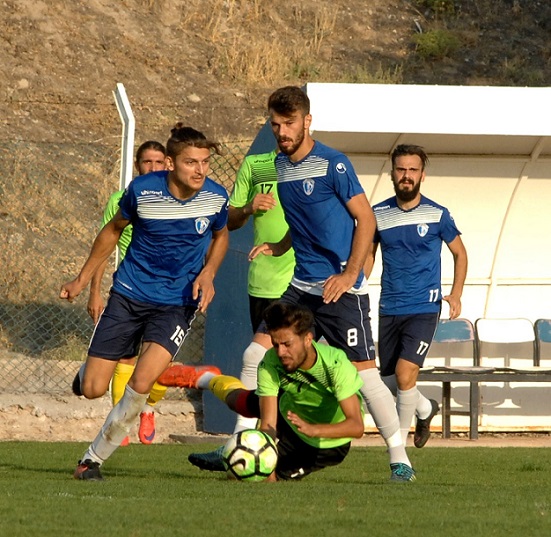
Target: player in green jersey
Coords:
[(307, 396), (255, 194)]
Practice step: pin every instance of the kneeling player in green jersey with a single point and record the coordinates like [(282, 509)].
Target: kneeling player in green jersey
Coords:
[(307, 396)]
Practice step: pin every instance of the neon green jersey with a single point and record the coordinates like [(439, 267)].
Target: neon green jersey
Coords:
[(268, 276), (110, 210), (312, 394)]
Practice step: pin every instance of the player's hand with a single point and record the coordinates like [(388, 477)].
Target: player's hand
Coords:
[(70, 290), (455, 305), (95, 307), (263, 202), (266, 248), (303, 426), (336, 285), (203, 290)]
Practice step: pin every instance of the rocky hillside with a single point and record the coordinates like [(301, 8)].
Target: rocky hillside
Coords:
[(212, 63)]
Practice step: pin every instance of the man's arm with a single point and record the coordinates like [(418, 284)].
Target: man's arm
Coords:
[(103, 246), (238, 216), (95, 301), (337, 284), (351, 427), (268, 420), (460, 263), (370, 259), (268, 415), (272, 248), (203, 286)]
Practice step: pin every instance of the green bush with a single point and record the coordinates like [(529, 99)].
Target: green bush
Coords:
[(436, 44)]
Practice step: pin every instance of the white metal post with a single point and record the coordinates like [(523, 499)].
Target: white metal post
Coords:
[(127, 139), (128, 129)]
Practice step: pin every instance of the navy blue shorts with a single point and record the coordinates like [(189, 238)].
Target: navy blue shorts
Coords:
[(125, 323), (405, 336), (345, 324), (257, 307), (296, 459)]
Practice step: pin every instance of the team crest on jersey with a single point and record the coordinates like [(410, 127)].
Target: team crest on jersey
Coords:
[(340, 167), (201, 224), (422, 229), (308, 186)]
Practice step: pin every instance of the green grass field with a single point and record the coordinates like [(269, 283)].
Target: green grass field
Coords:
[(153, 490)]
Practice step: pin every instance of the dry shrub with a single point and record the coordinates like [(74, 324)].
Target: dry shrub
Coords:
[(271, 56)]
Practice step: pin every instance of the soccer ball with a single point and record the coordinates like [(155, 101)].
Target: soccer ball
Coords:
[(249, 455)]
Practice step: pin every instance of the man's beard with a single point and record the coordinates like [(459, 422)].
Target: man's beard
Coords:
[(408, 195), (292, 149)]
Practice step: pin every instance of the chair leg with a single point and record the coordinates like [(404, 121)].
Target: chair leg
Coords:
[(474, 410), (446, 404)]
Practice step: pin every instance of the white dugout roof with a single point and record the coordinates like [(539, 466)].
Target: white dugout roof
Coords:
[(490, 164)]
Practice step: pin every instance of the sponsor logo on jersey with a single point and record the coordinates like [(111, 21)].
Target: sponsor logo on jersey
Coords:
[(201, 224), (151, 192), (422, 229), (308, 186), (340, 167)]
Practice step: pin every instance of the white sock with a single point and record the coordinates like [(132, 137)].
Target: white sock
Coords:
[(117, 425), (382, 408), (251, 358), (424, 408), (204, 379), (243, 423), (406, 402)]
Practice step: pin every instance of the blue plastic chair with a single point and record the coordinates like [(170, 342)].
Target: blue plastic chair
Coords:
[(542, 329)]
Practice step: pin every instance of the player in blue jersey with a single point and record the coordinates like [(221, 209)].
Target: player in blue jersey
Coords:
[(150, 157), (179, 240), (410, 230), (331, 226)]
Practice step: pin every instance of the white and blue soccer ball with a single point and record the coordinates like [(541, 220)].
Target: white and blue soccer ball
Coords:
[(250, 455)]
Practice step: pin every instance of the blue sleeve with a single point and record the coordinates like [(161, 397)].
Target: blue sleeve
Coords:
[(221, 218), (344, 178), (448, 229), (128, 203)]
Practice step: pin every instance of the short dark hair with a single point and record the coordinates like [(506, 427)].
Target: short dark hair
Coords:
[(150, 144), (410, 149), (181, 137), (282, 315), (286, 101)]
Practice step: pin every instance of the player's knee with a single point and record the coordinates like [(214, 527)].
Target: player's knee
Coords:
[(93, 388), (140, 385), (252, 356)]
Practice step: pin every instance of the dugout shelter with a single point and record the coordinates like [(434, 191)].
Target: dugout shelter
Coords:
[(490, 164)]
